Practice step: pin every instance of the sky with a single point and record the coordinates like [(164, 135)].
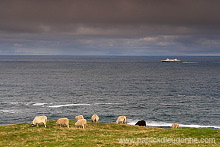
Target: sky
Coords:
[(110, 27)]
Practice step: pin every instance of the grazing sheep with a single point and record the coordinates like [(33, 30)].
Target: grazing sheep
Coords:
[(95, 118), (78, 117), (39, 120), (175, 125), (81, 123), (141, 123), (121, 119), (63, 122)]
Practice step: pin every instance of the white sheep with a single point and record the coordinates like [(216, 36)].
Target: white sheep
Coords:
[(39, 120), (95, 118), (81, 123), (78, 117), (63, 122), (121, 119), (175, 125)]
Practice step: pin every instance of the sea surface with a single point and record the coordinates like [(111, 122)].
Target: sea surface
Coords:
[(141, 88)]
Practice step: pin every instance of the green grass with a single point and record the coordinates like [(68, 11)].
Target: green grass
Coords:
[(101, 134)]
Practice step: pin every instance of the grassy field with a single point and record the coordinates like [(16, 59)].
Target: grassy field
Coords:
[(105, 134)]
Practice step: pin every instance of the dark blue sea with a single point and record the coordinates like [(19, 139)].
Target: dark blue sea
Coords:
[(141, 88)]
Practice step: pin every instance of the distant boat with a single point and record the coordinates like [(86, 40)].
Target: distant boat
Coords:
[(171, 60)]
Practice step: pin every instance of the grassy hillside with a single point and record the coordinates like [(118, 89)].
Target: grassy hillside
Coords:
[(104, 134)]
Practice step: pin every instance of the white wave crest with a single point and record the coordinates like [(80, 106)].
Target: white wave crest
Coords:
[(9, 111), (106, 103), (66, 105), (57, 106), (39, 104)]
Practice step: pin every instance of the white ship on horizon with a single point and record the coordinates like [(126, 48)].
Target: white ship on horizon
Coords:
[(171, 60)]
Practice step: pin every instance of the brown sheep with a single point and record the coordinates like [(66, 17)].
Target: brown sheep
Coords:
[(63, 122), (121, 119), (78, 117), (39, 120), (175, 125), (95, 118), (81, 123)]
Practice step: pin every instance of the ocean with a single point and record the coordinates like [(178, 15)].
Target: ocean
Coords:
[(141, 88)]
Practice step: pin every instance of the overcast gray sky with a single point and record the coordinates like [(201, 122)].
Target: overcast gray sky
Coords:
[(110, 27)]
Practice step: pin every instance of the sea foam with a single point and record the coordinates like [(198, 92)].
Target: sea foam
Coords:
[(165, 125)]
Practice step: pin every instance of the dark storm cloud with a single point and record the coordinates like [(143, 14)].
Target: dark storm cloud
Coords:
[(109, 27), (68, 15)]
